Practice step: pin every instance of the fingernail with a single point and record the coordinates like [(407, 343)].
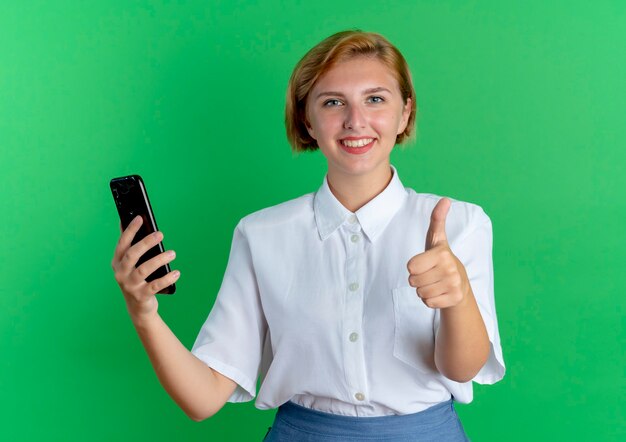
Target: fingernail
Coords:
[(176, 274), (171, 254)]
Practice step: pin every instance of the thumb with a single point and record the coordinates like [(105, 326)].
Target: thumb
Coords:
[(437, 230)]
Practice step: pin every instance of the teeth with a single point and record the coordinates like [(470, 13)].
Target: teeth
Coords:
[(357, 143)]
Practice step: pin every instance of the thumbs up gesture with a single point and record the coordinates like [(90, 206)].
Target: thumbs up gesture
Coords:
[(438, 276)]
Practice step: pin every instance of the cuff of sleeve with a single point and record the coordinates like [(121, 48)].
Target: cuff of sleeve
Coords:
[(246, 388), (494, 368)]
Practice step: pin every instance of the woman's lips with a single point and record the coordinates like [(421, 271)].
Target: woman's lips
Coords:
[(356, 146)]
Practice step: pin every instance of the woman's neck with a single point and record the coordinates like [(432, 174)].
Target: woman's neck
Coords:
[(353, 192)]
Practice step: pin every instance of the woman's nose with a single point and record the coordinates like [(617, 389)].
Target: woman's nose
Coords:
[(354, 118)]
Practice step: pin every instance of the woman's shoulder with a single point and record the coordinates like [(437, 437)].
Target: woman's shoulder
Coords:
[(277, 215), (463, 216)]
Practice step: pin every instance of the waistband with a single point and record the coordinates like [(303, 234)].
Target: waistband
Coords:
[(319, 422)]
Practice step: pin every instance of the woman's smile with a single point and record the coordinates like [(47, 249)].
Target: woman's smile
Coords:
[(357, 146)]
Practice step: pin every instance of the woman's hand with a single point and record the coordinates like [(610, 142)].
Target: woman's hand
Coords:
[(440, 279), (139, 294), (437, 274)]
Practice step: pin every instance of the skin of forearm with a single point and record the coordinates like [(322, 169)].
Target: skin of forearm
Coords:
[(192, 384), (462, 343)]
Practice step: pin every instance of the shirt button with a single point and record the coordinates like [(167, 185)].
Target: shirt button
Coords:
[(359, 396), (353, 287), (352, 219), (354, 337), (354, 238)]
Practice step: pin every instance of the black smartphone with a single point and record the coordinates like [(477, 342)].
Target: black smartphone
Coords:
[(131, 199)]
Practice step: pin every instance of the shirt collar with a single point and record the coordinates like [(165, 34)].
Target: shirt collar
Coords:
[(373, 217)]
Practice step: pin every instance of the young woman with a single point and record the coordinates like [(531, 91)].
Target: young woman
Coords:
[(365, 308)]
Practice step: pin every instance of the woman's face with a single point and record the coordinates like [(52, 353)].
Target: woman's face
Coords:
[(354, 113)]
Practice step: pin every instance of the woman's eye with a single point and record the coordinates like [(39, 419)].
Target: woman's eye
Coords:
[(376, 99), (332, 102)]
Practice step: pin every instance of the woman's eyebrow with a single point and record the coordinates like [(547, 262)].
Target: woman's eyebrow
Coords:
[(365, 92), (376, 89), (329, 93)]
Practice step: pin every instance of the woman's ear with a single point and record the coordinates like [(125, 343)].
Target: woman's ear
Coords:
[(309, 128), (406, 113)]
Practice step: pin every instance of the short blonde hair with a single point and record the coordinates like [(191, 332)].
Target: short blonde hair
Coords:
[(320, 59)]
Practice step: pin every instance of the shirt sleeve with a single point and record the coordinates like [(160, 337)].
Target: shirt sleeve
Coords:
[(231, 341), (475, 252)]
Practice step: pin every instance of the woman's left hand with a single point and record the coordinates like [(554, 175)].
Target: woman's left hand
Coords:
[(437, 274)]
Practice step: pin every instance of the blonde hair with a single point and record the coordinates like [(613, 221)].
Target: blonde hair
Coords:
[(320, 59)]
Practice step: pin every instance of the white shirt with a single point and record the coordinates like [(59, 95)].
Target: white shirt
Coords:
[(316, 302)]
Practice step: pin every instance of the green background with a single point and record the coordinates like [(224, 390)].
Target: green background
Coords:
[(521, 111)]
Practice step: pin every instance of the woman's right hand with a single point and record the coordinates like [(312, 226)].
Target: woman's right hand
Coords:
[(139, 294)]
